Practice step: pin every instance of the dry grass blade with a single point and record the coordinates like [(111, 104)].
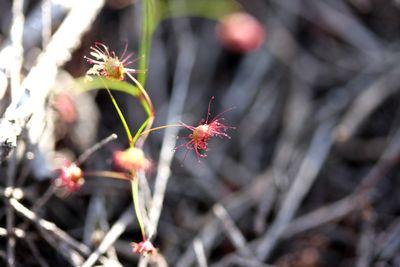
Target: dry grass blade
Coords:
[(306, 176)]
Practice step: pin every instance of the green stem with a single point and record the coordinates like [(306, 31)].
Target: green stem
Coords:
[(144, 48), (145, 98), (121, 116), (160, 128), (147, 27), (140, 131), (148, 107), (135, 197)]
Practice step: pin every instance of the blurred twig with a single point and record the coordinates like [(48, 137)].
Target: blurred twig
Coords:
[(389, 242), (237, 204), (184, 67), (306, 176), (85, 155), (366, 103), (33, 28), (46, 22), (48, 226), (365, 245), (36, 253), (323, 215), (16, 33), (115, 231), (29, 104), (233, 232), (10, 220), (200, 253)]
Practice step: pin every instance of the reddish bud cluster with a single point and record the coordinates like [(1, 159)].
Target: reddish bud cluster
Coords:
[(70, 177), (144, 248), (131, 159), (202, 133)]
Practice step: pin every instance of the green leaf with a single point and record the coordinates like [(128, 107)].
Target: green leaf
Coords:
[(209, 9), (148, 24), (83, 85)]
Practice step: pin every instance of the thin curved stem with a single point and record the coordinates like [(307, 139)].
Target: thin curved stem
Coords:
[(120, 114), (160, 128), (140, 131), (149, 109), (85, 155), (135, 192), (146, 101)]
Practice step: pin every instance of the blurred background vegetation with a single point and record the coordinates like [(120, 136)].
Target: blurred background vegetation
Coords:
[(310, 176)]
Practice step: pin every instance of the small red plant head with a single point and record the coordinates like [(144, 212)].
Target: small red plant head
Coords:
[(107, 64), (144, 248), (202, 133), (131, 159), (240, 32), (70, 177)]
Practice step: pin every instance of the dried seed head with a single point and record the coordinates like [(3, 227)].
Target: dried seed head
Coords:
[(113, 68)]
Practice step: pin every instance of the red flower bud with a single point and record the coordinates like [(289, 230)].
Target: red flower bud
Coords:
[(131, 159), (70, 177), (240, 32), (205, 131)]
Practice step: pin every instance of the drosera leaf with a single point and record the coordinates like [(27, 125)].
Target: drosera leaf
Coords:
[(148, 24), (84, 85)]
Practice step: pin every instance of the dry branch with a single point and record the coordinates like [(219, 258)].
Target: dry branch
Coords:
[(28, 105), (48, 226)]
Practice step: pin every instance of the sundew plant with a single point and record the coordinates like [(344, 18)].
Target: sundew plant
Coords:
[(110, 71)]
